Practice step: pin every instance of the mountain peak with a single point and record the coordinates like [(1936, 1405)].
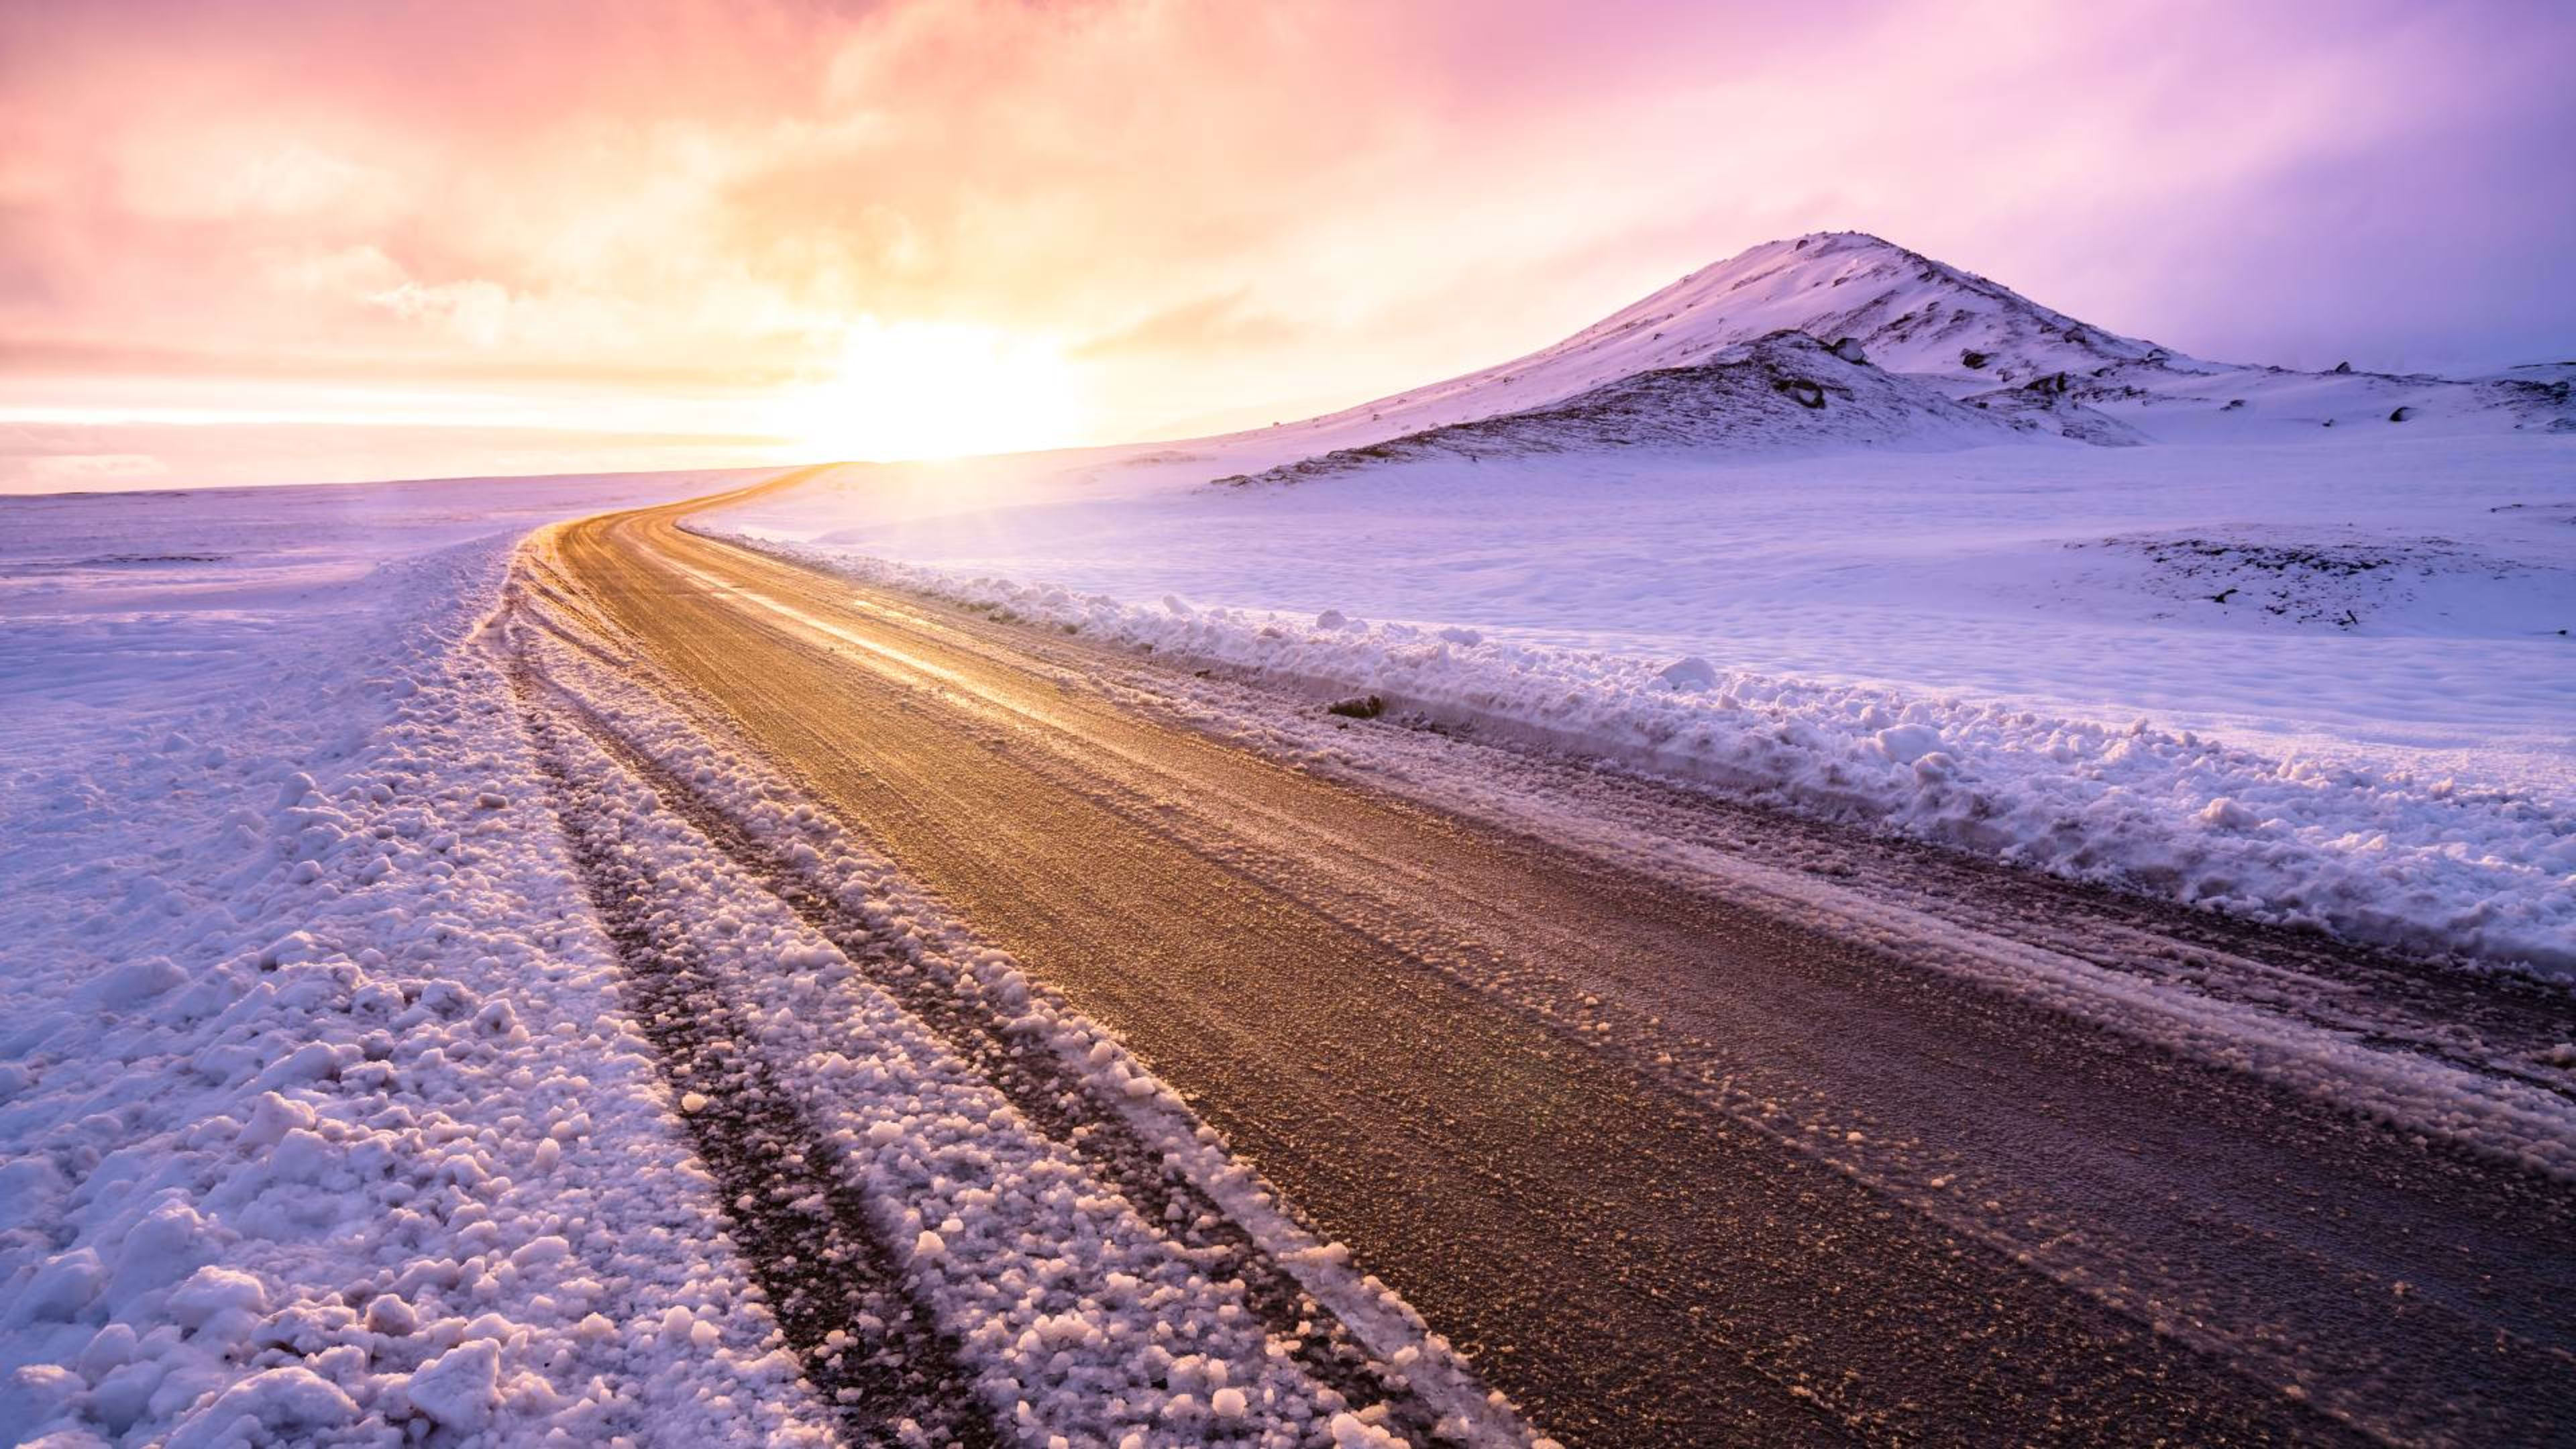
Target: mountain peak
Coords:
[(1912, 313), (1906, 312), (1971, 340)]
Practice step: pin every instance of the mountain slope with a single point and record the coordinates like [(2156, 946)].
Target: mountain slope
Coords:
[(1952, 332), (1783, 392), (1907, 312)]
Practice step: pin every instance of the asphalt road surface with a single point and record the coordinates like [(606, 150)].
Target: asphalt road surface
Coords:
[(1672, 1166)]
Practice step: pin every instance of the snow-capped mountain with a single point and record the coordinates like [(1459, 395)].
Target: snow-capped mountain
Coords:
[(1949, 333)]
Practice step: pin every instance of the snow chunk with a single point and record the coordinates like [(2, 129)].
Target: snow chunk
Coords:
[(2225, 814), (1350, 1431), (136, 982), (61, 1288), (1689, 675), (290, 1404), (1906, 744), (389, 1315), (272, 1119), (459, 1388), (215, 1291)]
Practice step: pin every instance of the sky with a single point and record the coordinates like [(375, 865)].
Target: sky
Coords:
[(296, 240)]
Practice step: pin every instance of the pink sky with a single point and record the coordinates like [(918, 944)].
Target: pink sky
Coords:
[(300, 239)]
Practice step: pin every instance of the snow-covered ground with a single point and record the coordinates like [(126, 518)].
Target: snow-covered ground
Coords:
[(2322, 681), (318, 1108)]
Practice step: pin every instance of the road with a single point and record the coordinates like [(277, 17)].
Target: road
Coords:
[(1671, 1164)]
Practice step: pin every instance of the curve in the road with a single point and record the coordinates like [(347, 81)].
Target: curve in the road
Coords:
[(1634, 1261)]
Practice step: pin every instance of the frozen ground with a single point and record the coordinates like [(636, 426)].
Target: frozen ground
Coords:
[(123, 613)]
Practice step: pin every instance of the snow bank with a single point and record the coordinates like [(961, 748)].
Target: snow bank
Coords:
[(2381, 855)]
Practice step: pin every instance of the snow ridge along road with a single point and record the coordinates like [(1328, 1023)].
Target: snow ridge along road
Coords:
[(805, 1234), (1671, 1165)]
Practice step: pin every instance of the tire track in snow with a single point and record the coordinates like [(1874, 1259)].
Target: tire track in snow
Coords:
[(1042, 1087), (804, 1229)]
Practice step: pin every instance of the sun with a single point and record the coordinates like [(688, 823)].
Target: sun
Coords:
[(911, 390)]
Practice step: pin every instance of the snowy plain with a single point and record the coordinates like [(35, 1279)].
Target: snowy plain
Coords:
[(2070, 578), (2022, 650)]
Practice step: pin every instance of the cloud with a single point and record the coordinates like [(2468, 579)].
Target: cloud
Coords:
[(79, 472), (1237, 204), (477, 311), (1226, 320)]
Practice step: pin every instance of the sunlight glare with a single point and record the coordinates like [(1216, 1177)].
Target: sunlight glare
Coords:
[(912, 390)]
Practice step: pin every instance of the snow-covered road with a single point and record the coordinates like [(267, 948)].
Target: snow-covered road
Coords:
[(1678, 1119)]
